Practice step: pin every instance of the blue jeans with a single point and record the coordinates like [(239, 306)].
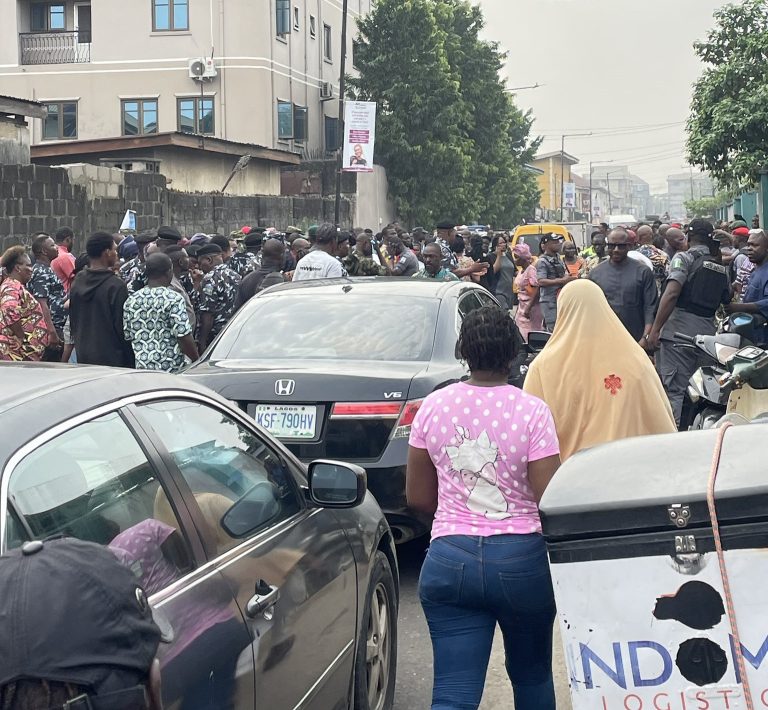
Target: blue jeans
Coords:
[(469, 584)]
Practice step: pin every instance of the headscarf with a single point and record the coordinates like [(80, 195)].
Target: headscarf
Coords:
[(522, 250), (598, 382)]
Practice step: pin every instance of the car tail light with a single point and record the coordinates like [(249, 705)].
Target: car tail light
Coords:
[(403, 428), (366, 410)]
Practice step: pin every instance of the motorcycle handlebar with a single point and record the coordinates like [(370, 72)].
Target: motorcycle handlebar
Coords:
[(685, 338)]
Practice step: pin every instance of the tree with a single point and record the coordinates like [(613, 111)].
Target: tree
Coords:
[(452, 141), (704, 207), (728, 126), (498, 129)]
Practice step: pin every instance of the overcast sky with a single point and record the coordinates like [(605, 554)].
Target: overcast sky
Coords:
[(606, 64)]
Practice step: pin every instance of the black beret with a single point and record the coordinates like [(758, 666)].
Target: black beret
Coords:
[(252, 240), (145, 237), (171, 234), (208, 249)]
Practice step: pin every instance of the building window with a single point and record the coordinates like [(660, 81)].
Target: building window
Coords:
[(312, 26), (332, 137), (299, 123), (139, 117), (327, 43), (284, 120), (170, 15), (196, 115), (296, 19), (61, 121), (48, 17), (283, 17), (355, 50)]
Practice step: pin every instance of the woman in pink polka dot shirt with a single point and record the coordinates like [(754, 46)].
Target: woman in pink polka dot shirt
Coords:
[(481, 455)]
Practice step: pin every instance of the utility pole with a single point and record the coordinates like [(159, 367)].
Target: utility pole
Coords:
[(562, 164), (342, 91), (591, 206)]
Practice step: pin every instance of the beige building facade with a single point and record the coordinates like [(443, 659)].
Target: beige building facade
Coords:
[(267, 78)]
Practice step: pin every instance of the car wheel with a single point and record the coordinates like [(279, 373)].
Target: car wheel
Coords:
[(376, 661)]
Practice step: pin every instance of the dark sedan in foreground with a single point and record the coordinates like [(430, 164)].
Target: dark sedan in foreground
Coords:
[(275, 585), (338, 368)]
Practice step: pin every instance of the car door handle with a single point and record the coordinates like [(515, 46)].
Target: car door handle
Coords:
[(265, 598)]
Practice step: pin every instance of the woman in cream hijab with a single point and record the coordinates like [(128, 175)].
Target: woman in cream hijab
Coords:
[(598, 382)]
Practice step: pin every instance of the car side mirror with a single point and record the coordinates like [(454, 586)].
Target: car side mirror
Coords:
[(256, 508), (537, 340), (333, 484)]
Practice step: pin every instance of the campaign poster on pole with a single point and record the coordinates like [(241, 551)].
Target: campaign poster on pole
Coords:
[(569, 195), (359, 136), (129, 221)]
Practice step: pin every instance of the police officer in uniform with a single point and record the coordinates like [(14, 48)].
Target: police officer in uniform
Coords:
[(696, 287)]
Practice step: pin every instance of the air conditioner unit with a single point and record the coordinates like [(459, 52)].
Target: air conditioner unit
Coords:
[(201, 69), (326, 90)]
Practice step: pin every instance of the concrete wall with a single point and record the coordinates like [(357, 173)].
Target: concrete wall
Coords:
[(39, 198), (222, 214), (372, 207), (14, 142)]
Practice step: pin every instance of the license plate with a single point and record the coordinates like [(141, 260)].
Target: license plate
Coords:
[(287, 421)]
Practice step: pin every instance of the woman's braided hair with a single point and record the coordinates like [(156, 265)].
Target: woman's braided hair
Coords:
[(489, 340)]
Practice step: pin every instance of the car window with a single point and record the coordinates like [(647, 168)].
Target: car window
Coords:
[(241, 484), (347, 327), (95, 483), (468, 303), (486, 299)]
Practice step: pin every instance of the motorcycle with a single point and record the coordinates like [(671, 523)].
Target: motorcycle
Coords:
[(735, 385)]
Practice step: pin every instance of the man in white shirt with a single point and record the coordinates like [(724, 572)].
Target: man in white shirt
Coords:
[(321, 262)]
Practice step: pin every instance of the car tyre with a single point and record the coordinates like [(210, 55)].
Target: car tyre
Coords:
[(376, 661)]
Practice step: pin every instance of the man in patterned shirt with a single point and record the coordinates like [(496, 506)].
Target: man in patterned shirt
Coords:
[(218, 291), (46, 287), (156, 323), (658, 258)]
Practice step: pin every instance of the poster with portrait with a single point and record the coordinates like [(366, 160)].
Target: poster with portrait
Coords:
[(359, 136), (569, 195)]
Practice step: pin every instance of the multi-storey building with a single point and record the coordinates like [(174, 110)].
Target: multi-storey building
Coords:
[(183, 87), (683, 187)]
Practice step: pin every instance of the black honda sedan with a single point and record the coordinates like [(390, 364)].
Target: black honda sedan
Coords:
[(338, 368)]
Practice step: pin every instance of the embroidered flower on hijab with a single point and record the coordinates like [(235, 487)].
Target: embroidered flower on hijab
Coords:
[(613, 383)]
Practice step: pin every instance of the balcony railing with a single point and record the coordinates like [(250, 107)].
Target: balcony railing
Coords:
[(55, 47)]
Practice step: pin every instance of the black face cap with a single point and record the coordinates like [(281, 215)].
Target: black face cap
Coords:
[(72, 613), (170, 234)]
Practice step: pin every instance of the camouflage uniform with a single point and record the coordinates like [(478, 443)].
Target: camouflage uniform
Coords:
[(133, 273), (218, 292), (359, 265), (243, 263), (45, 284)]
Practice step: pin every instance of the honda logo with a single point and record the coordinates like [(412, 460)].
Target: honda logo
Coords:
[(285, 388)]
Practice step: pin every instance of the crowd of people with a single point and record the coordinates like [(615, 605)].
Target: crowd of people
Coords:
[(482, 452)]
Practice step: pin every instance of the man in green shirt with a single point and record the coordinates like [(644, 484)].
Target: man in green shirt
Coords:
[(433, 267)]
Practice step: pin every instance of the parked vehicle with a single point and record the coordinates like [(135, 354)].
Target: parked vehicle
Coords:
[(530, 234), (338, 368), (275, 584), (736, 385)]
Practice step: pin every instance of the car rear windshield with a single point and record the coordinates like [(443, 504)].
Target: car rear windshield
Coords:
[(331, 328)]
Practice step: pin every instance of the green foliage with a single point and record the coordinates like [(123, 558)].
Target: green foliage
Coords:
[(704, 207), (728, 126), (453, 142)]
